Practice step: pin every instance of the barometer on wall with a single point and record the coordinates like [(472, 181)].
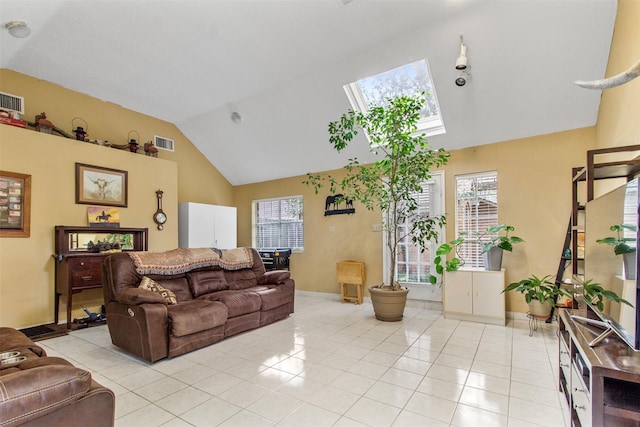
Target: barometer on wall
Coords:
[(159, 217)]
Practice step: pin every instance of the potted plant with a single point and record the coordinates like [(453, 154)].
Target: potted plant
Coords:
[(390, 184), (494, 243), (539, 293), (621, 247), (440, 262)]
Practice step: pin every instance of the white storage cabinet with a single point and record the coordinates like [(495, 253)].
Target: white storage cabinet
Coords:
[(206, 226), (474, 295)]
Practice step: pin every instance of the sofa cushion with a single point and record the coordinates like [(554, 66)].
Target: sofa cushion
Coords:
[(153, 286), (275, 297), (178, 285), (241, 279), (41, 390), (239, 303), (190, 317), (204, 282)]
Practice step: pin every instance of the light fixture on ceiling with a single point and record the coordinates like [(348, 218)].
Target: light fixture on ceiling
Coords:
[(18, 29), (236, 117), (462, 65), (461, 62)]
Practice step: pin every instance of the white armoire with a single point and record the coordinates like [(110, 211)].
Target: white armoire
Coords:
[(206, 226)]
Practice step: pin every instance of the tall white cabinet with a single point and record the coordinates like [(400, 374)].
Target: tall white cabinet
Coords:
[(474, 295), (206, 226)]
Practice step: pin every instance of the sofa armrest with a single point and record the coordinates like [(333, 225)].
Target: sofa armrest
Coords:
[(274, 277), (31, 393), (136, 296)]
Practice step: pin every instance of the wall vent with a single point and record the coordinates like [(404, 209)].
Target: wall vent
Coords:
[(10, 102), (163, 143)]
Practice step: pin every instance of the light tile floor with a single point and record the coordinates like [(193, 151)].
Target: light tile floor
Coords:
[(333, 364)]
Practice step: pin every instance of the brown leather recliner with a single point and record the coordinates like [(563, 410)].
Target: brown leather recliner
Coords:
[(213, 301), (48, 391)]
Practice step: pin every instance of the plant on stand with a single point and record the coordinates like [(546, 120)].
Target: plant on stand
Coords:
[(390, 184), (539, 293)]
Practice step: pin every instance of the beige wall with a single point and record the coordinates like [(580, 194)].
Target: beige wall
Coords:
[(618, 122), (534, 193), (26, 264)]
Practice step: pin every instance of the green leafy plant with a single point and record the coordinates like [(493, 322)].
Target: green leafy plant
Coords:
[(391, 183), (537, 288), (440, 262), (619, 243), (491, 237), (596, 294)]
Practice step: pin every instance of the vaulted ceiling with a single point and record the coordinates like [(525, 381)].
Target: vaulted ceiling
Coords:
[(281, 65)]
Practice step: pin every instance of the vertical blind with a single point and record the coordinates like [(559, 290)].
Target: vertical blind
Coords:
[(476, 210), (278, 223)]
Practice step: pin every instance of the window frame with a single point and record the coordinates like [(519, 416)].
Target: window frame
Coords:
[(254, 221), (474, 262), (430, 126)]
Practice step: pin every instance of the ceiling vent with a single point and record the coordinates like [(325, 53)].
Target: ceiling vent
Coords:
[(10, 102), (163, 143)]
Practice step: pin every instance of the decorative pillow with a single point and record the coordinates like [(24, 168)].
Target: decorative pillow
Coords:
[(153, 286)]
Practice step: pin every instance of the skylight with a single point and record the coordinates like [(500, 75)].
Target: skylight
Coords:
[(409, 79)]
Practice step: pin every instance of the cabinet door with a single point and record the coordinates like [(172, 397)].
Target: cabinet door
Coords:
[(196, 225), (488, 299), (225, 227), (457, 291)]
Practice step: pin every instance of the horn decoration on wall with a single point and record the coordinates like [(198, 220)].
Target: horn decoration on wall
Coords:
[(614, 81)]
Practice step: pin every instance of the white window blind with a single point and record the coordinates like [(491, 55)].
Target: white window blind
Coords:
[(277, 223), (476, 210), (413, 266)]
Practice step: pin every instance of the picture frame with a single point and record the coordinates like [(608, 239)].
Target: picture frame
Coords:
[(15, 204), (96, 185)]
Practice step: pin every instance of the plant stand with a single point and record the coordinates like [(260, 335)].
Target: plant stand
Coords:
[(533, 322)]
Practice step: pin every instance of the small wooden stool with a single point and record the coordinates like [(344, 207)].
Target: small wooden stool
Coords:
[(351, 273)]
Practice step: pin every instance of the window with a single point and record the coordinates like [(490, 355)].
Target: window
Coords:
[(413, 266), (277, 223), (476, 210), (409, 79)]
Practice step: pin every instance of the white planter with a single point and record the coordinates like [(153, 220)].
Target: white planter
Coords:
[(538, 309)]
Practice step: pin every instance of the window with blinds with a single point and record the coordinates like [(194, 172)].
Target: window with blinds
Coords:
[(476, 210), (277, 223), (413, 266)]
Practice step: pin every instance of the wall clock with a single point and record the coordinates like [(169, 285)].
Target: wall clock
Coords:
[(159, 217)]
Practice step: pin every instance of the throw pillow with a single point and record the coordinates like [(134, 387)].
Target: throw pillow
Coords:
[(153, 286)]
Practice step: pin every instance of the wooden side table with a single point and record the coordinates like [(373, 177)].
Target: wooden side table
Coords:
[(351, 273)]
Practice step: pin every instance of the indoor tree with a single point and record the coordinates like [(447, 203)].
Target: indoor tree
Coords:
[(391, 183)]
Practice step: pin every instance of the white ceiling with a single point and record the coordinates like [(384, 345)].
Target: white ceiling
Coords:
[(281, 65)]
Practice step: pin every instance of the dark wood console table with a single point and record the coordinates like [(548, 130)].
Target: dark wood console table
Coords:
[(77, 268), (601, 383)]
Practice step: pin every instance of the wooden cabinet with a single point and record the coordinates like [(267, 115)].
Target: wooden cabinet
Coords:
[(601, 383), (206, 226), (474, 295), (77, 268)]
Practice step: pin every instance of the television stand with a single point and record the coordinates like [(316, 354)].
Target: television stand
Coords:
[(606, 325)]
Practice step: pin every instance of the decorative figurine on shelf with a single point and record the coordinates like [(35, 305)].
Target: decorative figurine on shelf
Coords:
[(80, 131), (42, 124), (133, 146), (150, 149)]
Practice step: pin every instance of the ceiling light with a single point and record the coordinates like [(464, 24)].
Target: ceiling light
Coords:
[(461, 62), (18, 29)]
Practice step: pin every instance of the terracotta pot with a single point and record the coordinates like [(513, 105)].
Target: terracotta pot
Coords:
[(538, 309), (388, 305)]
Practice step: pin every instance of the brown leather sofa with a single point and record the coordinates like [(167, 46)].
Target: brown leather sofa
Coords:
[(48, 391), (217, 294)]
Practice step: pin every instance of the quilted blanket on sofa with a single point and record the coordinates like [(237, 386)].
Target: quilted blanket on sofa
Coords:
[(181, 260)]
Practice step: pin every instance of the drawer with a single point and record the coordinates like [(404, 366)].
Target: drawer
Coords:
[(565, 360), (580, 398), (85, 272)]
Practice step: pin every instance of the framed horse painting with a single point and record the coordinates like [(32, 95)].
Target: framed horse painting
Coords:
[(96, 185)]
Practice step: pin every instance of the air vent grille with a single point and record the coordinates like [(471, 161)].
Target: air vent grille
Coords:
[(11, 102), (163, 143)]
